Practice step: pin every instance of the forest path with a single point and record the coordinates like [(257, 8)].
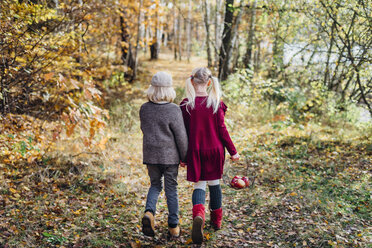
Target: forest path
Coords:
[(179, 69), (127, 153)]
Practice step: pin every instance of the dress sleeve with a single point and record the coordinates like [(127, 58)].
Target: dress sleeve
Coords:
[(222, 130)]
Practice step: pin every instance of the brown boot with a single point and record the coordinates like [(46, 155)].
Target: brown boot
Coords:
[(198, 214), (174, 232), (148, 225)]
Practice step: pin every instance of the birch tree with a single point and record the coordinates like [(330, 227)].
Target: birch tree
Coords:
[(139, 23), (207, 29), (188, 31), (218, 31)]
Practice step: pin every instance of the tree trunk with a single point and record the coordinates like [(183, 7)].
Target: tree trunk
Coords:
[(226, 41), (179, 38), (257, 57), (329, 53), (278, 51), (126, 48), (188, 32), (155, 44), (175, 29), (234, 42), (3, 87), (206, 21), (217, 27), (139, 21), (147, 33), (165, 38), (248, 62)]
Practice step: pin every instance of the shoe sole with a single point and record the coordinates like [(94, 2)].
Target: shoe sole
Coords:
[(146, 227), (170, 236), (197, 230)]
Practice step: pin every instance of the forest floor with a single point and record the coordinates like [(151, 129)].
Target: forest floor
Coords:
[(312, 187)]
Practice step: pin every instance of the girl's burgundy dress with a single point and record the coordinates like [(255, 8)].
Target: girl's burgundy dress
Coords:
[(208, 138)]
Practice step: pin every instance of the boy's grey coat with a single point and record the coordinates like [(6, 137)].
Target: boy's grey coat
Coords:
[(164, 134)]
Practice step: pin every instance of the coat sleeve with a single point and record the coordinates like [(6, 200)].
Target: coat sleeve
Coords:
[(141, 117), (222, 130), (185, 114), (178, 128)]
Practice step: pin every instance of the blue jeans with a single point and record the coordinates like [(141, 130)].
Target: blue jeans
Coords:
[(170, 173)]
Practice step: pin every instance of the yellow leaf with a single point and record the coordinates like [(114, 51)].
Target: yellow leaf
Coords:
[(13, 190), (207, 236), (293, 194), (102, 143), (48, 76)]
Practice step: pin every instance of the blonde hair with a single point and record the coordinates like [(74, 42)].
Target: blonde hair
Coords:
[(203, 75), (160, 94)]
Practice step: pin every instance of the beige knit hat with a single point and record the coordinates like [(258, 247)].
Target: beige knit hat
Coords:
[(161, 79)]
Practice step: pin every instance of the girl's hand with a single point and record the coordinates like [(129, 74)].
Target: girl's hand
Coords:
[(182, 164), (235, 157)]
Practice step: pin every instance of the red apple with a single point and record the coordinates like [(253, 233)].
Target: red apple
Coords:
[(246, 181), (233, 182), (237, 182), (237, 177)]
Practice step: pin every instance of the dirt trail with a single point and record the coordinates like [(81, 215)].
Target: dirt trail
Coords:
[(179, 70), (138, 182)]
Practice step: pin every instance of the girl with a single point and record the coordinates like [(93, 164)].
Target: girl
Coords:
[(164, 145), (203, 114)]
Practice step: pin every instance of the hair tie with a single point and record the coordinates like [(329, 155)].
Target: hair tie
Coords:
[(210, 76), (192, 76)]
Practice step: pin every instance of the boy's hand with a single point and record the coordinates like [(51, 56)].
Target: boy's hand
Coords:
[(182, 164), (235, 157)]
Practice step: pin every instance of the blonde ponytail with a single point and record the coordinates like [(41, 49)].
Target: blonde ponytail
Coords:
[(190, 94), (214, 95)]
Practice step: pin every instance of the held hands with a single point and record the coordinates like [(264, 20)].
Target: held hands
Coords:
[(182, 164), (235, 157)]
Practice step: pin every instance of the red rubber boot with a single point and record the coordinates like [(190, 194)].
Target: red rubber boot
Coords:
[(198, 216), (216, 218)]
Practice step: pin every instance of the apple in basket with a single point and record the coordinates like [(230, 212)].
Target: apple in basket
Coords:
[(246, 181), (237, 182)]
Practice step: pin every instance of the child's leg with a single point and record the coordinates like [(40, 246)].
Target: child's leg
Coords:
[(198, 211), (198, 195), (170, 183), (215, 194), (215, 203), (155, 174)]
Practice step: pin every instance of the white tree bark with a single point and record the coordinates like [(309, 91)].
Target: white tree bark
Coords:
[(218, 31), (175, 29), (179, 39), (139, 23), (188, 32), (207, 30)]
